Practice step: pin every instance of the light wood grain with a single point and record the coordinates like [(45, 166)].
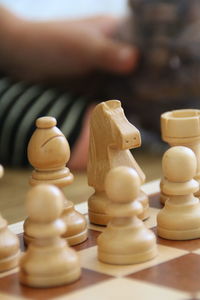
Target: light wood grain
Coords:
[(14, 186)]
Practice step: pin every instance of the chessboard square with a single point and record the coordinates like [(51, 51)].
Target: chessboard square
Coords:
[(119, 288), (9, 272), (151, 187), (90, 242), (90, 261), (95, 227), (196, 251), (152, 220), (10, 285), (188, 245), (8, 297), (181, 273), (82, 207)]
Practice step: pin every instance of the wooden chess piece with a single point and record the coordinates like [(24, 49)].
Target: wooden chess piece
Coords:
[(182, 128), (126, 240), (111, 137), (1, 171), (49, 152), (77, 231), (180, 218), (48, 261), (9, 244)]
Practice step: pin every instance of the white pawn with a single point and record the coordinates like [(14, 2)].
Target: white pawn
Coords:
[(1, 171), (49, 261), (126, 240), (9, 244), (180, 218)]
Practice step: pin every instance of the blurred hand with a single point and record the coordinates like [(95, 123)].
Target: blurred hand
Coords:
[(55, 49)]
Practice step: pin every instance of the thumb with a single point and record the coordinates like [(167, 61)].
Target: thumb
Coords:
[(116, 57)]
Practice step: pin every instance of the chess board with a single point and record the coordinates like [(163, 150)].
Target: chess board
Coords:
[(173, 274)]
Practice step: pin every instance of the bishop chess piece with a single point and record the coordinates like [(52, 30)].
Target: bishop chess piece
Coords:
[(9, 244), (180, 217), (111, 137), (48, 261), (126, 240), (49, 152)]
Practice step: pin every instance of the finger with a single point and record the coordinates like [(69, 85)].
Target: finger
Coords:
[(116, 57)]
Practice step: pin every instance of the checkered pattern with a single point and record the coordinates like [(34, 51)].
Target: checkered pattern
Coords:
[(173, 274)]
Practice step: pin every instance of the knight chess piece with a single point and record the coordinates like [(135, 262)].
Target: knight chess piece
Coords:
[(126, 240), (48, 261), (9, 244), (111, 137), (180, 217)]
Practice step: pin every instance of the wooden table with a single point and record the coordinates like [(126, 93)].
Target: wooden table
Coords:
[(14, 186)]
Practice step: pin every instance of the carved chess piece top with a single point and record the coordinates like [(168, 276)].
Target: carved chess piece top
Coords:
[(111, 138), (48, 153), (49, 261), (182, 128), (126, 240), (180, 217), (179, 167)]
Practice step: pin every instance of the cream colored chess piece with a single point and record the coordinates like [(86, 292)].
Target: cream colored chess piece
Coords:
[(9, 244), (48, 153), (180, 218), (77, 231), (182, 128), (1, 171), (126, 240), (111, 137), (48, 261)]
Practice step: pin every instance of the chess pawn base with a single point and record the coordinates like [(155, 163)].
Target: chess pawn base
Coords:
[(126, 241), (179, 222), (98, 202), (48, 266), (76, 225), (9, 248), (60, 178)]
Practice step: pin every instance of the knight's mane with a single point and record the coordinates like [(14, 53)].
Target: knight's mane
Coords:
[(99, 123)]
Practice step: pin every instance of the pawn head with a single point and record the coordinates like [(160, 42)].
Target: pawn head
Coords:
[(44, 203), (122, 184), (179, 164)]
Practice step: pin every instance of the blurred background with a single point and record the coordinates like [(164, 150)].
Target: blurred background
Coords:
[(46, 9)]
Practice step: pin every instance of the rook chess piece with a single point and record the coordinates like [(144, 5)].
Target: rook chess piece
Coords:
[(126, 240), (180, 217), (182, 128), (48, 261)]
